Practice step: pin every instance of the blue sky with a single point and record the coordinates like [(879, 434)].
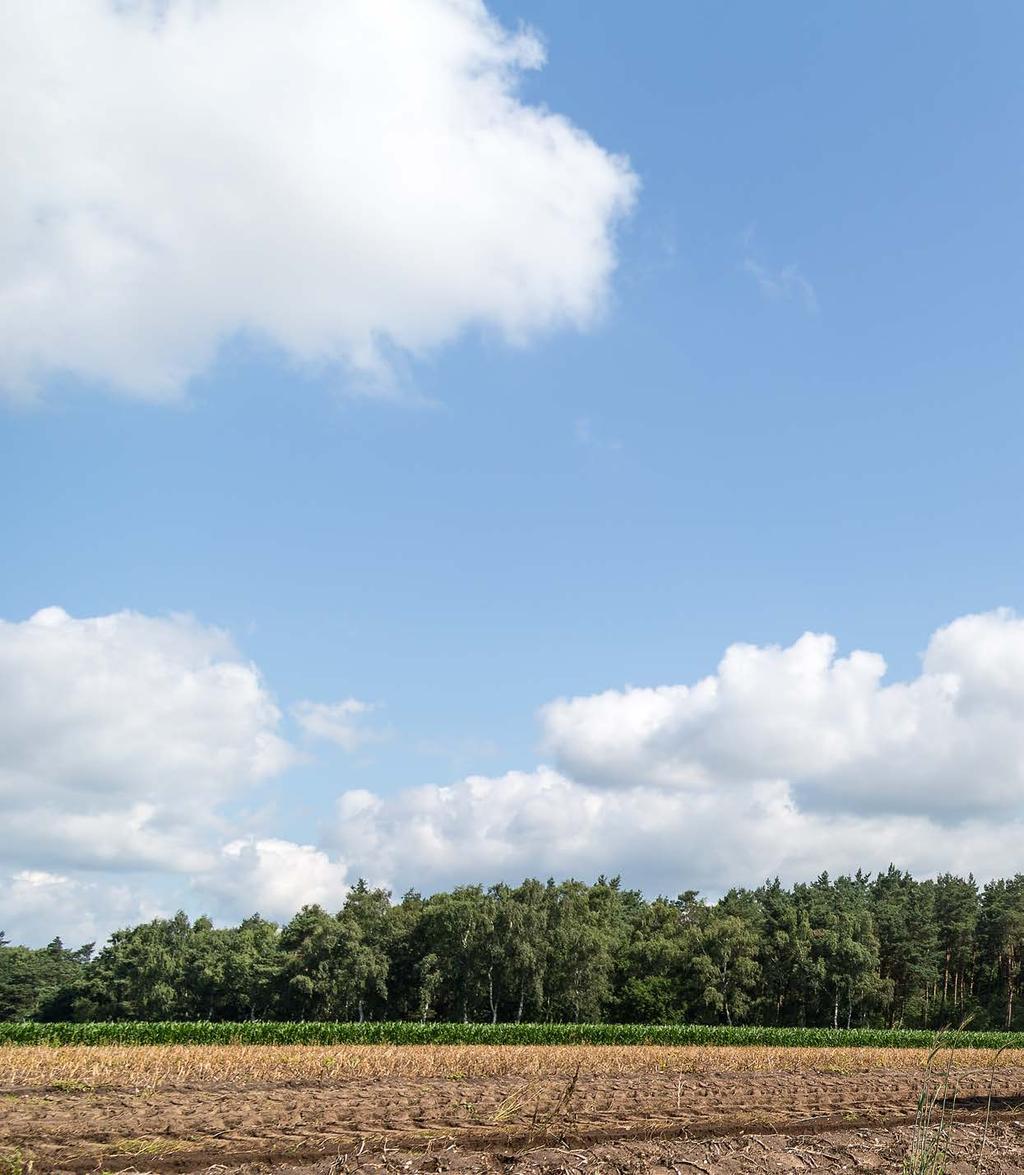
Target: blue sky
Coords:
[(796, 409)]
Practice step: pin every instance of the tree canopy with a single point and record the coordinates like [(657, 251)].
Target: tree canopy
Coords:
[(884, 951)]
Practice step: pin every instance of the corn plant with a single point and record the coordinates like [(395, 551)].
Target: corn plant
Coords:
[(255, 1032)]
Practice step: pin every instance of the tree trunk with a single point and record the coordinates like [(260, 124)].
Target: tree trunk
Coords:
[(725, 992), (945, 981)]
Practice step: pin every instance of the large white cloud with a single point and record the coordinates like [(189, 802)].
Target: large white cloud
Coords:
[(274, 877), (124, 739), (37, 906), (661, 839), (121, 735), (949, 741), (340, 177), (787, 760)]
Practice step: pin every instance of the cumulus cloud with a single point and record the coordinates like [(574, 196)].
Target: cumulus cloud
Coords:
[(38, 905), (124, 739), (949, 741), (342, 723), (787, 760), (121, 734), (339, 177), (274, 877), (661, 839), (520, 823), (173, 835)]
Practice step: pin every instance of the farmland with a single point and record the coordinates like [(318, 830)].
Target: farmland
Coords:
[(378, 1038), (507, 1107)]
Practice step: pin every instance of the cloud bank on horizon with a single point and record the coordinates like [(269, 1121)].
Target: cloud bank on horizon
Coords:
[(128, 741), (341, 178)]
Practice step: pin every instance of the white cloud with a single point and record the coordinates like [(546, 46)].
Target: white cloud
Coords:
[(342, 723), (173, 835), (661, 839), (947, 742), (274, 877), (787, 760), (340, 177), (124, 739), (38, 905), (120, 735)]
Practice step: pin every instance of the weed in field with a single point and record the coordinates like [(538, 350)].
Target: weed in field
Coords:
[(931, 1141), (988, 1106), (513, 1105), (14, 1161), (933, 1125), (929, 1147), (560, 1110)]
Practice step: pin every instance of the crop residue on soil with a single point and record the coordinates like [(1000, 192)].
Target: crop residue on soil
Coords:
[(659, 1110)]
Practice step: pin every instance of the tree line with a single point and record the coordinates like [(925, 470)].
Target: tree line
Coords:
[(878, 951)]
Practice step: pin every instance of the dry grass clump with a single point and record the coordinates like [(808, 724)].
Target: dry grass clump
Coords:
[(72, 1068)]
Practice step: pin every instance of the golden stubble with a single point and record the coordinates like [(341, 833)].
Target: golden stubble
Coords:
[(73, 1067)]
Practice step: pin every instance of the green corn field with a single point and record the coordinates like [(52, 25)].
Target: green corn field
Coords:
[(255, 1032)]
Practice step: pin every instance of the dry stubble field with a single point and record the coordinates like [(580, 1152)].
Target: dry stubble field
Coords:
[(520, 1109)]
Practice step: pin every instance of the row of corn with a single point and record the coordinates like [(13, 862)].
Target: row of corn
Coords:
[(399, 1033)]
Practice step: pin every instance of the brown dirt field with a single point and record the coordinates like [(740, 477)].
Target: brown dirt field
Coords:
[(519, 1110)]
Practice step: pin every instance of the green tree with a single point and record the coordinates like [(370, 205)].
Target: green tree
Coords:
[(903, 912), (366, 920), (647, 986), (956, 919), (1001, 931), (586, 931), (456, 928), (726, 938), (788, 979), (312, 985), (844, 947), (520, 940)]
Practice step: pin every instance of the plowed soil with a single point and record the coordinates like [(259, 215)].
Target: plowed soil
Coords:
[(662, 1117)]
